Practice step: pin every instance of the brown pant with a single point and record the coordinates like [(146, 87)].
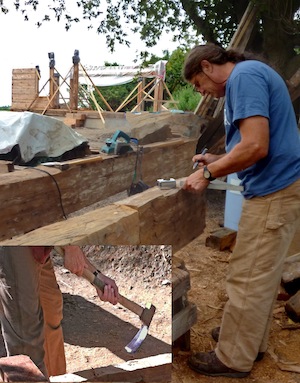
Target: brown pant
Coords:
[(31, 309), (267, 227)]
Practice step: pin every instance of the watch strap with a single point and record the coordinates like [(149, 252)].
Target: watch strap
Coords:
[(210, 178)]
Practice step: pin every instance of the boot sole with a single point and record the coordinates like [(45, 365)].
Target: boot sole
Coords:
[(236, 374)]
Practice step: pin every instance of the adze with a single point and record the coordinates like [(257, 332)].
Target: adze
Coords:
[(145, 314)]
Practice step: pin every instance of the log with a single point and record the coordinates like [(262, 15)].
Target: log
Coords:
[(152, 369), (35, 197), (154, 217)]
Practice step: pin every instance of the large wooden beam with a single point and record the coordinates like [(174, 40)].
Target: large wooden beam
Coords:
[(35, 197), (152, 369), (153, 217)]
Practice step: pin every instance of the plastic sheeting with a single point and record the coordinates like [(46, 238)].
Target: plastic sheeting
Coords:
[(112, 80), (36, 135), (118, 75)]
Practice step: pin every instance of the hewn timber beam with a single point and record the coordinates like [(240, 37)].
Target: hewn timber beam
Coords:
[(152, 369), (173, 217), (35, 197)]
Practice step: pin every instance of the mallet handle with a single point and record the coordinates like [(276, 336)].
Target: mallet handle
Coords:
[(127, 303)]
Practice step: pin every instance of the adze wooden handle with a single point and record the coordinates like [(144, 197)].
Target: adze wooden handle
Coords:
[(130, 305), (127, 303)]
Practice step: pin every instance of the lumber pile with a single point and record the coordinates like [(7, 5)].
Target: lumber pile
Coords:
[(25, 88), (75, 120)]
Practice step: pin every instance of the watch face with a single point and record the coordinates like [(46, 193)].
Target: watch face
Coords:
[(206, 173)]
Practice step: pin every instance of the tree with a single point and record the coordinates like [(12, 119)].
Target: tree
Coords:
[(276, 34)]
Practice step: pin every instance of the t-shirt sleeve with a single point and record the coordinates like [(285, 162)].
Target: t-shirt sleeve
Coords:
[(249, 97)]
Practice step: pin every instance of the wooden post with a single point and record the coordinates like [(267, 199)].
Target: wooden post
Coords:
[(56, 86), (74, 82), (52, 87), (140, 102), (158, 95)]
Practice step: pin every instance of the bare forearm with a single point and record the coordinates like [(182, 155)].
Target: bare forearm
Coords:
[(240, 157)]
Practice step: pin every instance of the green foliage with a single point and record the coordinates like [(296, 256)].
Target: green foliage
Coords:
[(174, 79), (5, 107), (187, 98), (276, 32), (215, 20), (115, 95)]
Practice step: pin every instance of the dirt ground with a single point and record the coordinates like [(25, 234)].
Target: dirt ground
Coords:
[(207, 268)]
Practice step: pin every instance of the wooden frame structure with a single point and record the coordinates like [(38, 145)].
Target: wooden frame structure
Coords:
[(27, 96)]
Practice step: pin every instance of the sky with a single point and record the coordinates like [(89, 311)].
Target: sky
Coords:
[(24, 45)]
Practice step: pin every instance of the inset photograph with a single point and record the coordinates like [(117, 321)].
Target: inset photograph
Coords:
[(90, 313)]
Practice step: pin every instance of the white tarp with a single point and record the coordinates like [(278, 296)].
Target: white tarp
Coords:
[(113, 80), (118, 75), (36, 135)]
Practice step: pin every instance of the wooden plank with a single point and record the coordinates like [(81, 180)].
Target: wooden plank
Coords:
[(19, 368), (156, 368), (183, 321), (180, 283), (141, 219), (64, 165)]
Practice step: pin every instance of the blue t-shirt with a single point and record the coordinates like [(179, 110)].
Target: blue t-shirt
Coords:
[(255, 89)]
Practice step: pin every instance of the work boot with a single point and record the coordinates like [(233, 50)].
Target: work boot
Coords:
[(215, 335), (207, 363)]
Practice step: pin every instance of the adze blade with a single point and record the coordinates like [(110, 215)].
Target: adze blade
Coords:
[(145, 314), (137, 340)]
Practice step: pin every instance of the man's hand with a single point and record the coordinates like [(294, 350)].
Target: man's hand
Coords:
[(205, 159), (196, 183), (111, 293), (74, 259)]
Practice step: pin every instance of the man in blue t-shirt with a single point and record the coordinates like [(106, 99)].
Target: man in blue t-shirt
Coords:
[(263, 148)]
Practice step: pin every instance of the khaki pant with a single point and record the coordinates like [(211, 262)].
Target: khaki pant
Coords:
[(31, 309), (267, 227)]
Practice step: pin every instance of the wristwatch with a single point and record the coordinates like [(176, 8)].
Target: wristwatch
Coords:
[(207, 174)]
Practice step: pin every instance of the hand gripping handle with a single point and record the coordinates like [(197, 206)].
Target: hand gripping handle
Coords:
[(130, 305)]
